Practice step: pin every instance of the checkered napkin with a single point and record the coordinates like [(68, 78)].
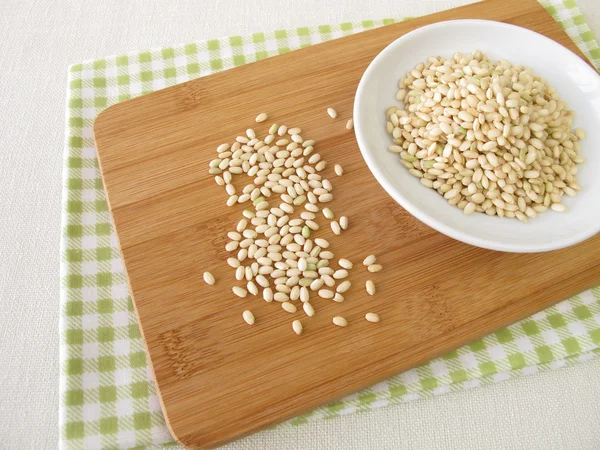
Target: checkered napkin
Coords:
[(107, 395)]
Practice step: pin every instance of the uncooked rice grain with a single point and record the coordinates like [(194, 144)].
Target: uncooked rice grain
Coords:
[(375, 268), (261, 117), (297, 327), (372, 317), (370, 287), (248, 317), (209, 278), (369, 260), (339, 321)]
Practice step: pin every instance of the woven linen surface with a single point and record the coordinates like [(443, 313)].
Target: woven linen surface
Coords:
[(107, 394)]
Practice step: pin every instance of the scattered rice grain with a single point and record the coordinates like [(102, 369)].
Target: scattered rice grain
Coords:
[(370, 287), (261, 117), (297, 327), (369, 260), (248, 317), (209, 278), (339, 321), (375, 268), (372, 317)]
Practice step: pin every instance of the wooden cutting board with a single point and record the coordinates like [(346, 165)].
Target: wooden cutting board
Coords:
[(219, 378)]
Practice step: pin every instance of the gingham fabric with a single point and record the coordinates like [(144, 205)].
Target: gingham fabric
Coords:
[(107, 395)]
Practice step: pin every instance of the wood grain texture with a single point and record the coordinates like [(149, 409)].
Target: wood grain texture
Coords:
[(220, 379)]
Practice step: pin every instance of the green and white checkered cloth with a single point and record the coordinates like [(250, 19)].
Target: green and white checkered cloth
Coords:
[(107, 395)]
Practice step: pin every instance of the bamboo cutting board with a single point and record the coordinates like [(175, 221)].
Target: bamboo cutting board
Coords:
[(219, 378)]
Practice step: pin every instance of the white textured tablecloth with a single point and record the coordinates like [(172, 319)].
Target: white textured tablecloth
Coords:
[(560, 409)]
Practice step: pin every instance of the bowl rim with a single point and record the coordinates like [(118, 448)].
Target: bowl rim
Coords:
[(407, 204)]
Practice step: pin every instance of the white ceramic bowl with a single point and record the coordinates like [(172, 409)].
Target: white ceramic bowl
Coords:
[(577, 84)]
